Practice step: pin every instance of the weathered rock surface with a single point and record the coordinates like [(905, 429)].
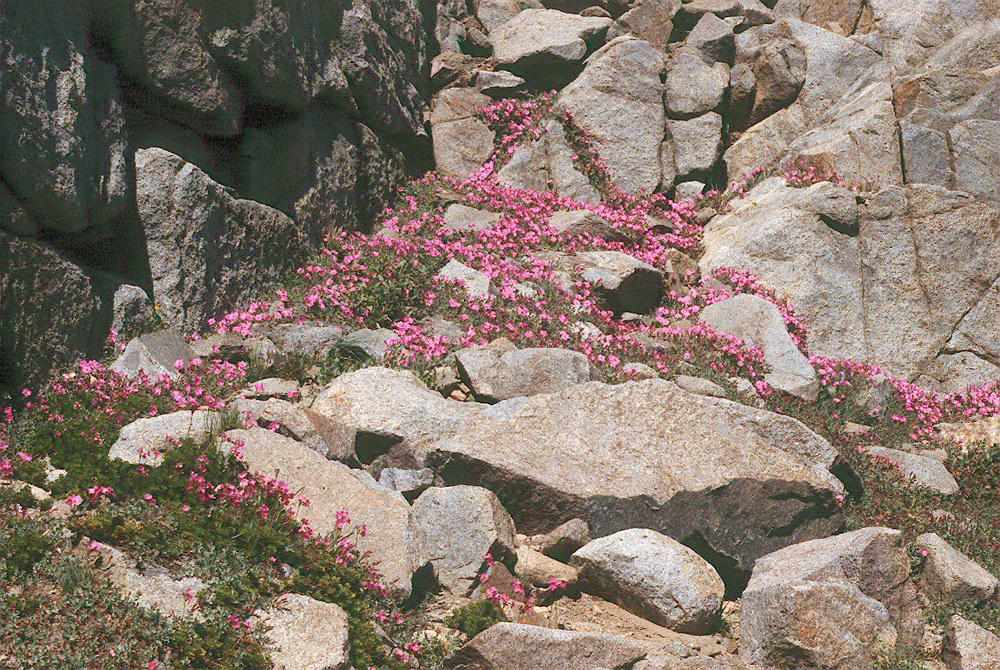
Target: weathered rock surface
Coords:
[(653, 576), (462, 143), (54, 314), (514, 646), (204, 243), (459, 217), (461, 525), (539, 570), (322, 435), (949, 575), (968, 646), (307, 634), (760, 324), (494, 374), (393, 535), (694, 87), (154, 587), (627, 284), (153, 354), (63, 146), (476, 283), (537, 42), (547, 165), (391, 410), (830, 600), (649, 455), (618, 101), (146, 440), (926, 472), (895, 268), (697, 143)]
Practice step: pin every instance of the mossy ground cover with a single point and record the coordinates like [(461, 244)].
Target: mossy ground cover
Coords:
[(202, 513)]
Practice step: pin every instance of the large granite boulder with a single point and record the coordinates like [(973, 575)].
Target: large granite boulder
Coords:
[(649, 455), (653, 576), (205, 245), (539, 43), (618, 101), (831, 600), (515, 646)]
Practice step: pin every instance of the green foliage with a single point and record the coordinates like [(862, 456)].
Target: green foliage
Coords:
[(63, 615), (474, 618)]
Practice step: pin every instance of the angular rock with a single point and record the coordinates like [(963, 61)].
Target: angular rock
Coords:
[(305, 339), (839, 16), (366, 344), (514, 646), (561, 542), (697, 143), (394, 537), (779, 73), (700, 386), (759, 323), (539, 570), (693, 87), (547, 165), (865, 572), (764, 143), (477, 284), (653, 576), (834, 63), (948, 575), (462, 143), (325, 437), (984, 430), (860, 139), (538, 41), (462, 524), (646, 454), (650, 21), (579, 222), (976, 332), (627, 284), (411, 483), (154, 354), (494, 375), (713, 40), (204, 244), (494, 13), (307, 634), (820, 624), (459, 218), (160, 46), (144, 441), (500, 83), (618, 102), (925, 472), (968, 646), (391, 408)]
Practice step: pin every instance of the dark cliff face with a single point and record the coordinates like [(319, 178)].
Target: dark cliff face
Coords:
[(297, 118)]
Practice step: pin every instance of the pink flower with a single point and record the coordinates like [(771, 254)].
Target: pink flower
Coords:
[(74, 500)]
